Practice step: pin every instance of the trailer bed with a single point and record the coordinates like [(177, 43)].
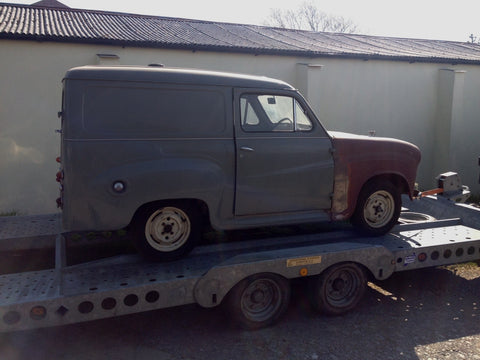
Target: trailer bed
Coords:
[(127, 284)]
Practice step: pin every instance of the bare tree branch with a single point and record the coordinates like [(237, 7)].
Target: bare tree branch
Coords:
[(309, 17)]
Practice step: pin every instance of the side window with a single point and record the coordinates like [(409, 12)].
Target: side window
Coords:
[(279, 110), (249, 117), (302, 122), (272, 113)]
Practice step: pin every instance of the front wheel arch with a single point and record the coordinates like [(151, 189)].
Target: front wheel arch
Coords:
[(396, 180)]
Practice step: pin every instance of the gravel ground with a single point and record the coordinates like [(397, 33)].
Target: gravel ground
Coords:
[(424, 314)]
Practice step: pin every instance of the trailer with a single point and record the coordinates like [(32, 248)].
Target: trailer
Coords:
[(250, 278)]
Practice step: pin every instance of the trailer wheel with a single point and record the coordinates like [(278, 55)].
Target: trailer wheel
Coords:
[(338, 289), (258, 301), (378, 208), (166, 232)]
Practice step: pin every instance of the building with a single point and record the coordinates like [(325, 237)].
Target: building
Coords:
[(422, 91)]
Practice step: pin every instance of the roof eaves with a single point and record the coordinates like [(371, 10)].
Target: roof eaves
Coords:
[(21, 22), (241, 50)]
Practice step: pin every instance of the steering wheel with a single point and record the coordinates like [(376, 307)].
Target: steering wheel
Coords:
[(285, 121), (284, 124)]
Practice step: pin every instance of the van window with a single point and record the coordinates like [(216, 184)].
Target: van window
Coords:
[(153, 112), (272, 113), (249, 117)]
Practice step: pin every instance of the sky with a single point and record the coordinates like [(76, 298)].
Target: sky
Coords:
[(424, 19)]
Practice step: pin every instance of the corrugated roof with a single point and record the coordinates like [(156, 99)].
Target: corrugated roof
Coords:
[(23, 22)]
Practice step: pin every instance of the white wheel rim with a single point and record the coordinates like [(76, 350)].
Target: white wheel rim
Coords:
[(167, 229), (379, 209)]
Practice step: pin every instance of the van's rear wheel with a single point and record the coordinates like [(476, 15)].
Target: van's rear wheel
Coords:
[(164, 232)]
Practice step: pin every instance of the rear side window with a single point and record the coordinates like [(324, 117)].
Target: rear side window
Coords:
[(153, 112)]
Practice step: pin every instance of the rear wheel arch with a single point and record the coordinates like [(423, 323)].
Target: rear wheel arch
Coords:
[(198, 204)]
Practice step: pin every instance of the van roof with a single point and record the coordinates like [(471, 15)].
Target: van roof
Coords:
[(174, 76)]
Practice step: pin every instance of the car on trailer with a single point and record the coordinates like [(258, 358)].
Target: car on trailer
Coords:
[(165, 152)]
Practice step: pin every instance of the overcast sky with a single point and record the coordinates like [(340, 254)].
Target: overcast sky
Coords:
[(426, 19)]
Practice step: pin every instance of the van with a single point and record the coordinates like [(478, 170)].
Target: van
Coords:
[(165, 152)]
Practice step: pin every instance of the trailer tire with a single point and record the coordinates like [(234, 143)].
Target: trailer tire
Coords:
[(338, 289), (166, 231), (378, 208), (258, 301)]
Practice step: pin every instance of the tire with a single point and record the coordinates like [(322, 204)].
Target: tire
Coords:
[(258, 301), (378, 208), (167, 231), (338, 289)]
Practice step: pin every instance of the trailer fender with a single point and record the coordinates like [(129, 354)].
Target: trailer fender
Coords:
[(214, 285), (211, 289)]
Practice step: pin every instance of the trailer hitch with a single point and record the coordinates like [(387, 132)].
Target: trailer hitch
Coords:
[(449, 186)]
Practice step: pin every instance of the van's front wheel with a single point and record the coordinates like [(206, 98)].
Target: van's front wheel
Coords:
[(378, 208), (166, 232)]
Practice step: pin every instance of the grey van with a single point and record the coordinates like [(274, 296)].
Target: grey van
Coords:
[(167, 151)]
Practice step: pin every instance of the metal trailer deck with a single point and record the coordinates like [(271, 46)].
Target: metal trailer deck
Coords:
[(127, 284)]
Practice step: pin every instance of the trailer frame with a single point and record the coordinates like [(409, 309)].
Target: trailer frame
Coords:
[(128, 284)]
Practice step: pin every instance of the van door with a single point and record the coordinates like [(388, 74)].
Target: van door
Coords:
[(284, 159)]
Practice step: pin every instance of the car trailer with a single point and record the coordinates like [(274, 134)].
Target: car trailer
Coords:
[(250, 277)]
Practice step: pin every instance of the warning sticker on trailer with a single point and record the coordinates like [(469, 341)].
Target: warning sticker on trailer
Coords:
[(309, 260), (410, 259)]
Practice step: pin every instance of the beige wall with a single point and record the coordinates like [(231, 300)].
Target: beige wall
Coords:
[(397, 99)]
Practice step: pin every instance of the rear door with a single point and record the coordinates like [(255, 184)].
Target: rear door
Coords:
[(284, 160)]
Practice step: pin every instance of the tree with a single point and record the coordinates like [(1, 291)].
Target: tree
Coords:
[(309, 17)]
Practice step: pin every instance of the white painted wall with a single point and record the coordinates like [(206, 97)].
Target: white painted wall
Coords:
[(396, 99)]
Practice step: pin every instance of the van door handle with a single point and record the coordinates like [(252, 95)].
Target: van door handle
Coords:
[(246, 148)]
